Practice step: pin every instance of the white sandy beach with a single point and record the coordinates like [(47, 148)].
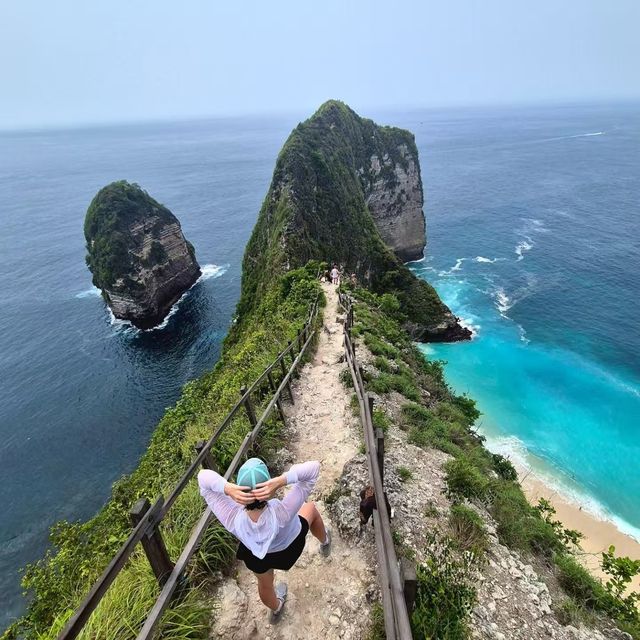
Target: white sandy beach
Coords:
[(598, 534)]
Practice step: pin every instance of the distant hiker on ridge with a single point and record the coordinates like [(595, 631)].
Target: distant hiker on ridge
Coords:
[(272, 532)]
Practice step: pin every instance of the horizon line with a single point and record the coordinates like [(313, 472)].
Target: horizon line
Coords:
[(382, 108)]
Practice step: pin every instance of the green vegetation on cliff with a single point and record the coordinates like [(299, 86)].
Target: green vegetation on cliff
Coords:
[(316, 209)]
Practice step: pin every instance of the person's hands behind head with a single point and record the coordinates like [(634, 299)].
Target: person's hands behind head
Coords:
[(241, 495), (266, 490)]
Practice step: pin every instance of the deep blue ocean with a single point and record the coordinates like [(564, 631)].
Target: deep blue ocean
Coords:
[(532, 239), (80, 396)]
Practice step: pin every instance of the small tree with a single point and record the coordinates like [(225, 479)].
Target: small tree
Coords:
[(570, 538), (621, 571)]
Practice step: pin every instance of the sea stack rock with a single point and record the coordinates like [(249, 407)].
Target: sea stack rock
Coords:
[(348, 191), (137, 253)]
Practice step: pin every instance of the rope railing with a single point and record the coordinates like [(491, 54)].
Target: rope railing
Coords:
[(146, 518), (397, 580)]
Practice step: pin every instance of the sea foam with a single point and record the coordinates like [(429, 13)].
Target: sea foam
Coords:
[(487, 260), (456, 267), (530, 226), (522, 247), (471, 324), (503, 302), (88, 293), (212, 271)]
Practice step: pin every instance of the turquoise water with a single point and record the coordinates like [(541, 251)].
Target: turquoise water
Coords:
[(533, 242), (576, 417)]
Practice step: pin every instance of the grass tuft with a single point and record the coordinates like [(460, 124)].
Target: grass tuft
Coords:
[(468, 530), (404, 473)]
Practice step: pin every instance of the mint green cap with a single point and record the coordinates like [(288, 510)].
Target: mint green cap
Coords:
[(252, 472)]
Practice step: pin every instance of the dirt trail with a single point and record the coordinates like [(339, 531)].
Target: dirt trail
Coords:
[(327, 596)]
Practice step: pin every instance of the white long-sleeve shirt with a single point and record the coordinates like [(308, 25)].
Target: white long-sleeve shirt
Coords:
[(278, 524)]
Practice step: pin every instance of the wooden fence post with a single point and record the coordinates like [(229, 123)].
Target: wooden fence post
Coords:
[(207, 462), (152, 543), (380, 451), (410, 582), (284, 375), (272, 384), (292, 353), (248, 405), (299, 339)]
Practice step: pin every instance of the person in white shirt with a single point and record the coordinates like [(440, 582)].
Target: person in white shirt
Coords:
[(272, 532), (335, 275)]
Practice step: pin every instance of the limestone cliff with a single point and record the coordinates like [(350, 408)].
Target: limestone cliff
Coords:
[(341, 188), (137, 253), (393, 193)]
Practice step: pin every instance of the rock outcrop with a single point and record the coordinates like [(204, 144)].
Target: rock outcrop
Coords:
[(137, 253), (394, 196), (448, 330), (348, 191)]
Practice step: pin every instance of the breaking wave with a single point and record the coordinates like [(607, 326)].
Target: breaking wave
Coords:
[(88, 293), (212, 271), (522, 247), (469, 323)]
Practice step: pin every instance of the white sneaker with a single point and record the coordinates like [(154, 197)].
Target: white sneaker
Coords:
[(325, 547), (281, 594)]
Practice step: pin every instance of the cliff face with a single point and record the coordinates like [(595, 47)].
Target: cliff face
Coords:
[(346, 190), (393, 194), (137, 253)]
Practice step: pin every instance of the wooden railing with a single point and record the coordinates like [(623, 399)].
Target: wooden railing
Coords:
[(397, 580), (146, 518)]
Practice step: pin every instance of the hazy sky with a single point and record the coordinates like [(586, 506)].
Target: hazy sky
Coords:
[(78, 61)]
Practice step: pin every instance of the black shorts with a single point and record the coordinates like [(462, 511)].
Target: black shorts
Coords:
[(282, 560)]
